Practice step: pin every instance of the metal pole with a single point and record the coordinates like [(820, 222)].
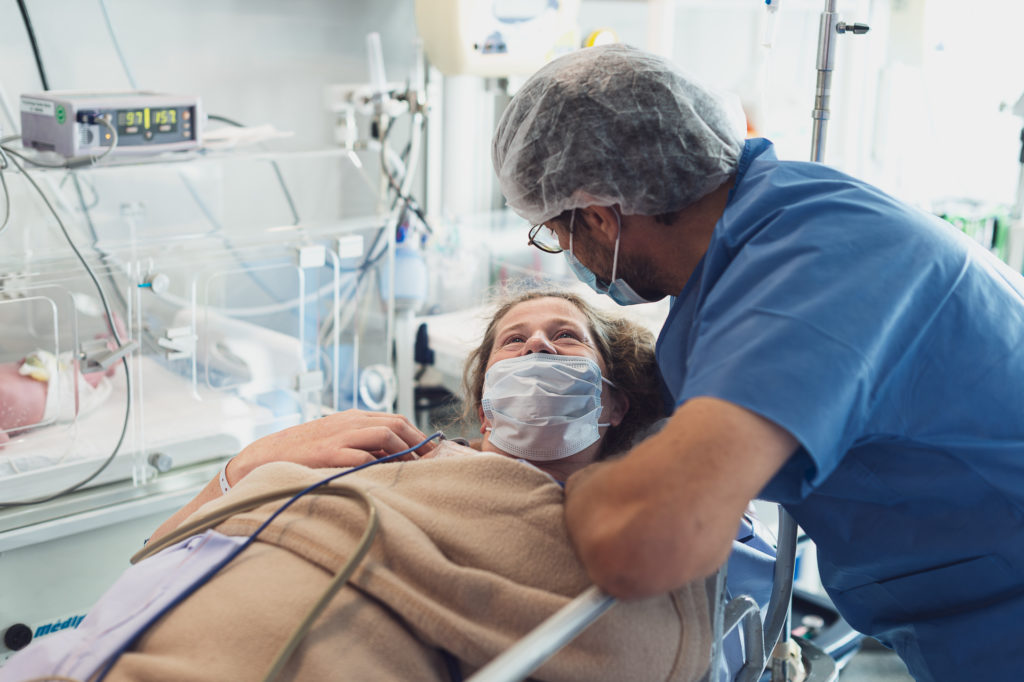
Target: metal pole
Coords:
[(519, 661), (823, 89), (829, 27)]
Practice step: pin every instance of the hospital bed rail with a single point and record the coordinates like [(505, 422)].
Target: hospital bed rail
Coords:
[(529, 653)]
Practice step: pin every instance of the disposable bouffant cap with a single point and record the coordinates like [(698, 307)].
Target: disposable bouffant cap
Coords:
[(613, 125)]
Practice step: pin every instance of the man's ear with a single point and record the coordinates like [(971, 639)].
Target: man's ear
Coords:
[(602, 221)]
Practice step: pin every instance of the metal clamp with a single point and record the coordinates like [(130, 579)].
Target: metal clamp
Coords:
[(856, 29), (178, 342), (96, 355)]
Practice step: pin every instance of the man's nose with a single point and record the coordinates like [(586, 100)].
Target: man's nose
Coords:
[(538, 343)]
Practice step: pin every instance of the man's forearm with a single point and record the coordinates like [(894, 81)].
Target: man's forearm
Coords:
[(626, 541), (667, 512)]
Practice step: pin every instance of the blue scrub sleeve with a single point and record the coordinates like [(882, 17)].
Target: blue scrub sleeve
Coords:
[(812, 316)]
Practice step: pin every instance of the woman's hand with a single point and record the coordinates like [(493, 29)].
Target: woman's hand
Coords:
[(344, 439)]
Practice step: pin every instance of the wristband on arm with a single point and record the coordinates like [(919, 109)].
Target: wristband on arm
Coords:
[(224, 485)]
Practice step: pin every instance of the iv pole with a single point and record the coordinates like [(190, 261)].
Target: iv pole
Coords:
[(829, 27)]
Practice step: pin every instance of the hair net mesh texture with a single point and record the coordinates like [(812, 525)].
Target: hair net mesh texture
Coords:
[(612, 125)]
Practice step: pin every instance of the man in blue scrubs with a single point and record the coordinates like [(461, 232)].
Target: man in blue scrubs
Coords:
[(829, 348)]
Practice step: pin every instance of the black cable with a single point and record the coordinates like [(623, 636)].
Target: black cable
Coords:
[(117, 339), (371, 259), (320, 487), (35, 46), (410, 203), (7, 195), (225, 119)]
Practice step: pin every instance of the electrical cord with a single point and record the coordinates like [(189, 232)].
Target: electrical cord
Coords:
[(34, 162), (409, 202), (371, 259), (201, 524), (340, 578), (4, 163), (75, 161), (104, 120), (35, 46), (114, 333)]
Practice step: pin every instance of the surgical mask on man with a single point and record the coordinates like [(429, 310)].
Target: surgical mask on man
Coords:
[(543, 407), (618, 290)]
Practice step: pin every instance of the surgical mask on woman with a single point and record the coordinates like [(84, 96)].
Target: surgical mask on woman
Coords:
[(543, 407), (618, 290)]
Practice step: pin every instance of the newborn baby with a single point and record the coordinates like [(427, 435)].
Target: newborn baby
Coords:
[(45, 388)]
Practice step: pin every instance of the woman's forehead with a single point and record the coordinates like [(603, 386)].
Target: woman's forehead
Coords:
[(539, 310)]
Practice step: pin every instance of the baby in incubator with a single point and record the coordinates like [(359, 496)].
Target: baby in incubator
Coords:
[(44, 388)]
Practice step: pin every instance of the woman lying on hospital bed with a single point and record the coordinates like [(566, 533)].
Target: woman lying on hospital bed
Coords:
[(470, 554)]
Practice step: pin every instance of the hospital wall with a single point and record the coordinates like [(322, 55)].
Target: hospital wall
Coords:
[(920, 104), (255, 61)]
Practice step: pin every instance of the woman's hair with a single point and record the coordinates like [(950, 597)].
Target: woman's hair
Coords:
[(626, 348)]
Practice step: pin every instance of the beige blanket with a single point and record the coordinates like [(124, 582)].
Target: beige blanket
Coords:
[(471, 554)]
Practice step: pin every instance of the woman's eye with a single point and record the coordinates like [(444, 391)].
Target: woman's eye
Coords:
[(513, 339), (566, 334)]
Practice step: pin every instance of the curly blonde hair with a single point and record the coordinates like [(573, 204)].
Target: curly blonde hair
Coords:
[(626, 348)]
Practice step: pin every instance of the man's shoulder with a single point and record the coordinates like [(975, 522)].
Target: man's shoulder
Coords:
[(821, 202)]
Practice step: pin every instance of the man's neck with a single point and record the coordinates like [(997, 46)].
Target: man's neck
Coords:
[(675, 250)]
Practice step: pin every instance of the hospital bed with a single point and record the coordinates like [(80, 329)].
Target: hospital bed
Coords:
[(766, 647)]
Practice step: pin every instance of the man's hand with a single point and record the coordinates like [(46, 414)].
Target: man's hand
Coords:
[(345, 439), (667, 512)]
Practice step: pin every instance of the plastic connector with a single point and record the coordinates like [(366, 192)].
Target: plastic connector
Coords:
[(768, 37), (92, 117), (87, 116)]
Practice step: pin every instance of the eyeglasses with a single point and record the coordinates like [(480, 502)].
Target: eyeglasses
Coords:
[(545, 239)]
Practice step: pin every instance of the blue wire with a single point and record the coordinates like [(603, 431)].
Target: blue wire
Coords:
[(252, 538)]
